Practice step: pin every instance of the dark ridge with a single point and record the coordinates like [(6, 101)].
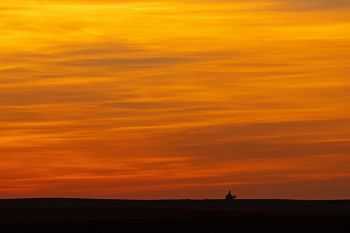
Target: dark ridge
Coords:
[(106, 215)]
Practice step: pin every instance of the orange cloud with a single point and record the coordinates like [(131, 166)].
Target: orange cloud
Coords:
[(174, 98)]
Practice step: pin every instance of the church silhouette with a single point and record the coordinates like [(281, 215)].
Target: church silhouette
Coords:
[(230, 197)]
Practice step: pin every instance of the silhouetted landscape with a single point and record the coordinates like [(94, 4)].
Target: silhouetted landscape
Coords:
[(159, 99), (88, 215)]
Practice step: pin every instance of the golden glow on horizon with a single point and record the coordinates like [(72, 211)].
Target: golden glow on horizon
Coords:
[(158, 99)]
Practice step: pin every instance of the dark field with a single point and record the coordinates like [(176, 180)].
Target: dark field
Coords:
[(80, 215)]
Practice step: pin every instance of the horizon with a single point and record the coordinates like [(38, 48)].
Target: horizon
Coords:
[(162, 99), (179, 199)]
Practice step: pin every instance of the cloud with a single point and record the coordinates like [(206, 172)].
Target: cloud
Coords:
[(126, 62), (172, 96), (310, 5)]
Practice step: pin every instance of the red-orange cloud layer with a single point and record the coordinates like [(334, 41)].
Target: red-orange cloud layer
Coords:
[(174, 99)]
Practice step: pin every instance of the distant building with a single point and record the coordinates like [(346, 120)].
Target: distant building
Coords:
[(230, 197)]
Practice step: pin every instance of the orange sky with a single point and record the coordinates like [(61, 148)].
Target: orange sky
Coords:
[(175, 98)]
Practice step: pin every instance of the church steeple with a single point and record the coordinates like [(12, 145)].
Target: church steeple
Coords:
[(229, 196)]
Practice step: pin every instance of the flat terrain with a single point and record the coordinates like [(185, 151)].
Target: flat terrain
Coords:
[(85, 215)]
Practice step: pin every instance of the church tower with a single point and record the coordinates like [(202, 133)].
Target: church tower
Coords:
[(229, 196)]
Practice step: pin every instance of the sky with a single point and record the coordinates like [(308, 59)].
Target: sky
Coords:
[(137, 99)]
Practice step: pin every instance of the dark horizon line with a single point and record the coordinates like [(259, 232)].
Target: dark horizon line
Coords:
[(170, 199)]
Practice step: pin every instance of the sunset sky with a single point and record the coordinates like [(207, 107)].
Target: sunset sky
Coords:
[(148, 99)]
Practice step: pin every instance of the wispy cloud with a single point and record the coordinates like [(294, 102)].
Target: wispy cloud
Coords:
[(166, 96)]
